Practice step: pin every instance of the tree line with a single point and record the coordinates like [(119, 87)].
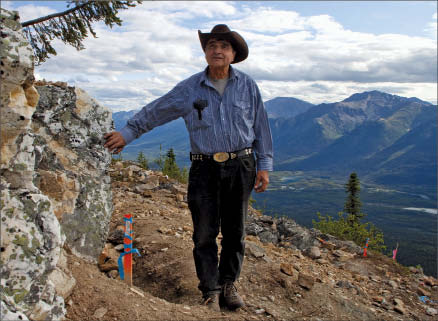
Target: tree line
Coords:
[(166, 163)]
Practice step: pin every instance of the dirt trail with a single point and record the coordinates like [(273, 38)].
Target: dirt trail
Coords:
[(276, 283)]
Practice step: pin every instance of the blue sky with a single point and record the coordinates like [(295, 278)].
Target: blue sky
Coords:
[(318, 51)]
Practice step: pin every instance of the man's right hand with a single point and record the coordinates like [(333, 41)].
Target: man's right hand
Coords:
[(114, 142)]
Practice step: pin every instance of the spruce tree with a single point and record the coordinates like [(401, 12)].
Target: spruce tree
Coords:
[(170, 167), (143, 162), (353, 204), (71, 26)]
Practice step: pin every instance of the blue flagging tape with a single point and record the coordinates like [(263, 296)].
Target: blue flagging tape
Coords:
[(126, 247), (120, 261), (426, 299)]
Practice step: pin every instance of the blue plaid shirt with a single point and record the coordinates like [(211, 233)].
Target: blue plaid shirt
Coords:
[(229, 123)]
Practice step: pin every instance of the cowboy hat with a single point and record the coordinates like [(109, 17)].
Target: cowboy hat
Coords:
[(222, 32)]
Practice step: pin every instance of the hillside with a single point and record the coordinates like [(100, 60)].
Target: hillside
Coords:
[(351, 134), (287, 274)]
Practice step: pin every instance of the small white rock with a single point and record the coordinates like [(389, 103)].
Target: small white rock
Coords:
[(431, 311), (119, 247), (99, 313)]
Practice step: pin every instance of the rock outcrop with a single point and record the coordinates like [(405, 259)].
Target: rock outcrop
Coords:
[(71, 165), (55, 193)]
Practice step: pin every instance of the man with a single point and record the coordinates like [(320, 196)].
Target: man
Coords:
[(227, 123)]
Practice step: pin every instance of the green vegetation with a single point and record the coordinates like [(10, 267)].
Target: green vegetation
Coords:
[(170, 168), (348, 226), (71, 26), (116, 159), (298, 195), (345, 228), (143, 162), (353, 204)]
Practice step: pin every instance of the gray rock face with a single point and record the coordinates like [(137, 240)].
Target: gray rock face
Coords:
[(273, 230), (255, 250), (54, 188), (31, 235), (71, 165)]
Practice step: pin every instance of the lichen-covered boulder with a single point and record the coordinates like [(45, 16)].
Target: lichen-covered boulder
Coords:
[(31, 239), (55, 192), (71, 165)]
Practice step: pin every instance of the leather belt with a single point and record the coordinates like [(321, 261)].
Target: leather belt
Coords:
[(222, 156)]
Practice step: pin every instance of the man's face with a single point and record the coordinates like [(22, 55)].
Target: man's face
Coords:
[(219, 53)]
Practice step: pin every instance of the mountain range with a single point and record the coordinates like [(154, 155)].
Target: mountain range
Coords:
[(385, 138)]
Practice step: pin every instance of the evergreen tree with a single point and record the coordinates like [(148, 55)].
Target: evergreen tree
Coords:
[(160, 160), (352, 203), (184, 176), (170, 167), (348, 225), (71, 26), (141, 159)]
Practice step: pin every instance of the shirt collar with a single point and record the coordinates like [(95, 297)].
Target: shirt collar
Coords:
[(234, 74)]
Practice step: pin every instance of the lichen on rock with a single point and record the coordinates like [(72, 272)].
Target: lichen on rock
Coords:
[(55, 190)]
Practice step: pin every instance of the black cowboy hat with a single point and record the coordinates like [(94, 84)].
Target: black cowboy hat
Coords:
[(222, 32)]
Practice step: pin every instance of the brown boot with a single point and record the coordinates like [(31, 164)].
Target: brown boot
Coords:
[(211, 300), (230, 297)]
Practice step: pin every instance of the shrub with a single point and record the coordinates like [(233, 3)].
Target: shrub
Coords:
[(142, 161), (347, 228)]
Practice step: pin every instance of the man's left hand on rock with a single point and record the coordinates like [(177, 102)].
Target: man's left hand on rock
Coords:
[(114, 141)]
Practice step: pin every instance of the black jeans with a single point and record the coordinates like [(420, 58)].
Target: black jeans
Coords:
[(218, 196)]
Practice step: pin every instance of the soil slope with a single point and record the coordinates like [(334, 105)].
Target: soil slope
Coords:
[(277, 283)]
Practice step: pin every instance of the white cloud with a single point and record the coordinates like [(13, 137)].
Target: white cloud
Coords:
[(328, 92), (432, 27), (267, 20), (29, 11), (324, 50)]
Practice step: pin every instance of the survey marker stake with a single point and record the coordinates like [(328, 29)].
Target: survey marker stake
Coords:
[(125, 259), (365, 248)]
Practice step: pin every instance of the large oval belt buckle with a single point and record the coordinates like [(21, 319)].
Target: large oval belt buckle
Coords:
[(221, 157)]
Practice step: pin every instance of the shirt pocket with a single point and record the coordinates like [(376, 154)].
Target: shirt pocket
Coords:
[(204, 122), (243, 112)]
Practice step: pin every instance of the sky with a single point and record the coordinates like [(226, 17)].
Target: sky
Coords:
[(317, 51)]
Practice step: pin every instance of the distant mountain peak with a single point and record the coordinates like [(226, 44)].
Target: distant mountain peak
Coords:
[(286, 107), (370, 95), (380, 96)]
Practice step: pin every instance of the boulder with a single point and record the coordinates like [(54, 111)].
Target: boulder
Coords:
[(31, 234), (305, 281), (254, 250), (314, 252), (288, 269), (268, 236), (253, 229), (55, 190)]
